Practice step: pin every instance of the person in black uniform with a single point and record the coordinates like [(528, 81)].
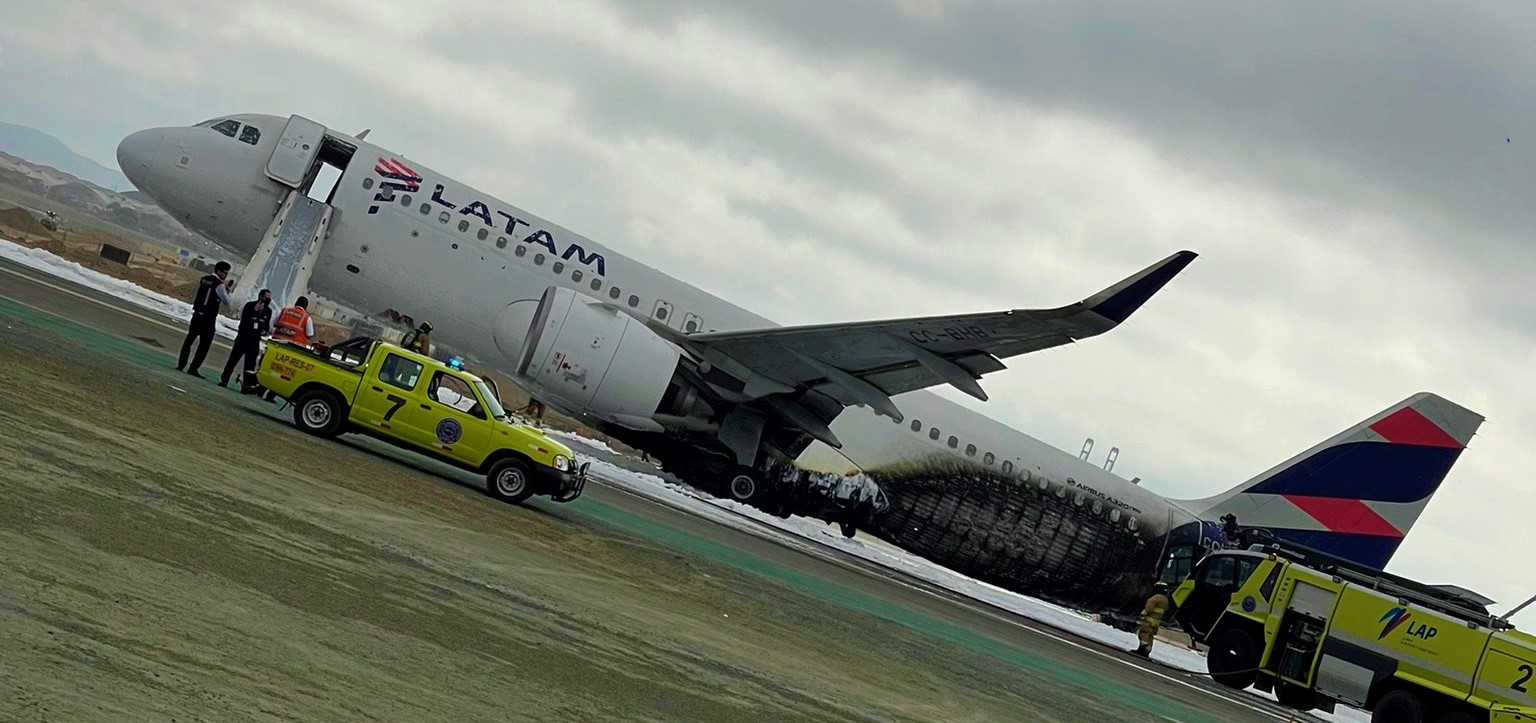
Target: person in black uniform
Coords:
[(419, 339), (255, 323), (212, 293)]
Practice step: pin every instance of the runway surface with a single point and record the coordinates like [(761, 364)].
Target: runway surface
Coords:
[(929, 654)]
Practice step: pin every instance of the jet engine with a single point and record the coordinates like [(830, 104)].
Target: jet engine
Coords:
[(591, 357)]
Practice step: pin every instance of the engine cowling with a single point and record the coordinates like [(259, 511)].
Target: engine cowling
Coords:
[(589, 356)]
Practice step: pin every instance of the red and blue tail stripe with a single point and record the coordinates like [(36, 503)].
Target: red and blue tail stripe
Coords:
[(1358, 494)]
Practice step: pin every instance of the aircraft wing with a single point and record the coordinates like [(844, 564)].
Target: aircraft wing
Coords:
[(869, 362)]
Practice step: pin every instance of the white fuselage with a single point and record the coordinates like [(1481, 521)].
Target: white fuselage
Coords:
[(464, 259)]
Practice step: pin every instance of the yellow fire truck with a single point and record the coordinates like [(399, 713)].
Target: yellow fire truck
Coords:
[(1318, 630)]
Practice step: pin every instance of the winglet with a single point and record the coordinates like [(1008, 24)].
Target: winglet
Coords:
[(1118, 302)]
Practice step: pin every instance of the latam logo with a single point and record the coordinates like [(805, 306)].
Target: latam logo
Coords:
[(396, 177), (399, 177), (1398, 617)]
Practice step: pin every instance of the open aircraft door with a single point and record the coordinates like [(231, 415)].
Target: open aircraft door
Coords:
[(296, 151)]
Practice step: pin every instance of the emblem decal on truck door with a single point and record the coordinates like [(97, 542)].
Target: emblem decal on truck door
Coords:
[(449, 431)]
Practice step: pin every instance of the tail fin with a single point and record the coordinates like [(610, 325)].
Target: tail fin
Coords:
[(1357, 494)]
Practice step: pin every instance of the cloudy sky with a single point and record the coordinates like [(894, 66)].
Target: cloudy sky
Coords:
[(1358, 180)]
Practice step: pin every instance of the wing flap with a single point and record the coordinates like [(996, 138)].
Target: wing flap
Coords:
[(868, 362)]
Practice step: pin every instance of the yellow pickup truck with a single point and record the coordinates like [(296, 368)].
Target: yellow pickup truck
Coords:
[(382, 390)]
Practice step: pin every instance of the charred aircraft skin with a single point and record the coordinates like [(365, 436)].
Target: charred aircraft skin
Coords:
[(1034, 537)]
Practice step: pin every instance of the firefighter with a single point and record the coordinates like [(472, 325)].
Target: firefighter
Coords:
[(255, 323), (419, 339), (212, 293), (294, 324), (1152, 618)]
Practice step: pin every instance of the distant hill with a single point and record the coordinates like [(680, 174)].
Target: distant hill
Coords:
[(43, 149)]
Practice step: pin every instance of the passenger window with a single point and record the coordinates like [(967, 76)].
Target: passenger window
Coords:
[(426, 208), (443, 217), (464, 225), (970, 450), (501, 242), (987, 459), (917, 425), (538, 259), (954, 441), (558, 268), (521, 251), (405, 201), (483, 234), (597, 284), (228, 128), (933, 433), (250, 135), (692, 322), (451, 391), (634, 301), (367, 183), (614, 292), (400, 372), (1007, 466), (576, 275)]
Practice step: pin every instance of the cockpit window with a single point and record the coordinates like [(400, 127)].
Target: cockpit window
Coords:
[(228, 127), (250, 134), (208, 123)]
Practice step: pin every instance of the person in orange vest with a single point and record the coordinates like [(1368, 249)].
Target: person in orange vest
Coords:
[(293, 323)]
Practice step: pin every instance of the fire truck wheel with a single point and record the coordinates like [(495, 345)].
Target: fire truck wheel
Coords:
[(1295, 696), (1398, 706), (1233, 660)]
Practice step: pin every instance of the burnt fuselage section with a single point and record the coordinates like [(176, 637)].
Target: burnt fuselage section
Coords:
[(1048, 539)]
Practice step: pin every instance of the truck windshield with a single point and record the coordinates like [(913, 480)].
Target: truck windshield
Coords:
[(492, 404)]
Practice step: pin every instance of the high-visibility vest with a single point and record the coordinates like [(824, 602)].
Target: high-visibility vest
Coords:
[(291, 324)]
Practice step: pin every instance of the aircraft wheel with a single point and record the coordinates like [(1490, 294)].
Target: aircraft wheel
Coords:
[(746, 486)]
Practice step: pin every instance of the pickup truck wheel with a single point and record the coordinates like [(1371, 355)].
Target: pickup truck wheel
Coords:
[(320, 413), (1398, 706), (1233, 659), (509, 481)]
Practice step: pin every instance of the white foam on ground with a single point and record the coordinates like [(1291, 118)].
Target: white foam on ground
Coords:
[(139, 296), (725, 512)]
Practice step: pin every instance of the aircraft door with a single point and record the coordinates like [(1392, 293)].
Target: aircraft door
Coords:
[(296, 151)]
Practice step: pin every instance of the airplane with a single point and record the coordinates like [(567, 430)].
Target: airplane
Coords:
[(741, 407)]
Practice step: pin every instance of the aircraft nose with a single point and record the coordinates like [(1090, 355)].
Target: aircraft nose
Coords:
[(136, 154)]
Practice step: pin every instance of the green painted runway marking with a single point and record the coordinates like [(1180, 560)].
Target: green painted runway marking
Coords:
[(886, 610), (1036, 664)]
